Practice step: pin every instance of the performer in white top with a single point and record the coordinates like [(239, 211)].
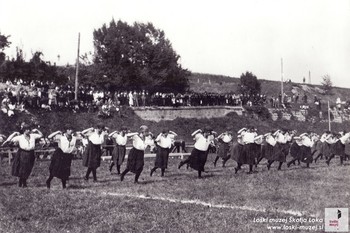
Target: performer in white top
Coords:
[(224, 146), (61, 160), (136, 155), (23, 161), (199, 154), (118, 154), (339, 148), (247, 155), (322, 146), (92, 155), (267, 147), (237, 147), (164, 143), (280, 149), (257, 148), (240, 135), (301, 150)]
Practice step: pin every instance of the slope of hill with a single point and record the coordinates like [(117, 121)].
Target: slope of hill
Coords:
[(225, 84)]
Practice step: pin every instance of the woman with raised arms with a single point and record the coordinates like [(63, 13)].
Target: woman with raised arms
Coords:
[(164, 143), (61, 161), (24, 158), (92, 154), (199, 154), (136, 155)]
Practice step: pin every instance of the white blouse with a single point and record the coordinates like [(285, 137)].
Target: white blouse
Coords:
[(271, 140), (202, 143), (97, 139), (226, 138), (345, 139), (138, 143), (164, 142), (307, 141), (249, 137), (121, 140), (323, 137), (66, 145), (25, 143), (331, 140), (281, 138)]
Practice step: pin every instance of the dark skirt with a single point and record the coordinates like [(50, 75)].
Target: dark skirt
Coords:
[(285, 147), (135, 160), (23, 163), (326, 149), (223, 151), (305, 153), (280, 152), (236, 152), (295, 151), (118, 154), (268, 151), (257, 150), (248, 154), (92, 156), (318, 146), (198, 159), (338, 148), (60, 164), (162, 157)]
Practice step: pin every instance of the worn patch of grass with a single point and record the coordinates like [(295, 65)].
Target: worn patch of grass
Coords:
[(84, 206)]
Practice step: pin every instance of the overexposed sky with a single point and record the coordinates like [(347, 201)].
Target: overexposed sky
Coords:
[(226, 37)]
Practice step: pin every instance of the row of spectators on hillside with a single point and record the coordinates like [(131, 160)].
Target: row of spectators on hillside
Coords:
[(91, 100), (23, 96), (288, 100), (38, 95)]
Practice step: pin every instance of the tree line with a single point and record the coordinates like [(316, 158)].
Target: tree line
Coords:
[(129, 57)]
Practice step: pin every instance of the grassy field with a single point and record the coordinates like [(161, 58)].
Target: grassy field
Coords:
[(178, 202)]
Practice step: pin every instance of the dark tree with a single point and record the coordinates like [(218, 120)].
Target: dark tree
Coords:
[(4, 43), (327, 84), (35, 69), (250, 84), (137, 57)]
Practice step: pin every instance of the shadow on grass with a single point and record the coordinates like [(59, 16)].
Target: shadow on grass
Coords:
[(75, 178), (300, 168), (107, 180), (144, 182), (8, 184), (75, 186), (214, 170)]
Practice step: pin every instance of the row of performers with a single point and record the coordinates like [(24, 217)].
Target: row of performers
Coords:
[(250, 148), (61, 160)]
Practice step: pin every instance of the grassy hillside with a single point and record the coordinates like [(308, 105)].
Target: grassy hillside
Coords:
[(225, 84)]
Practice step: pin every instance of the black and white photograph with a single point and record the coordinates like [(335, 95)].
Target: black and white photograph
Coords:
[(227, 116)]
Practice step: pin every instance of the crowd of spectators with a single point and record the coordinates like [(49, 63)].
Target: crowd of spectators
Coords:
[(289, 100), (22, 96)]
